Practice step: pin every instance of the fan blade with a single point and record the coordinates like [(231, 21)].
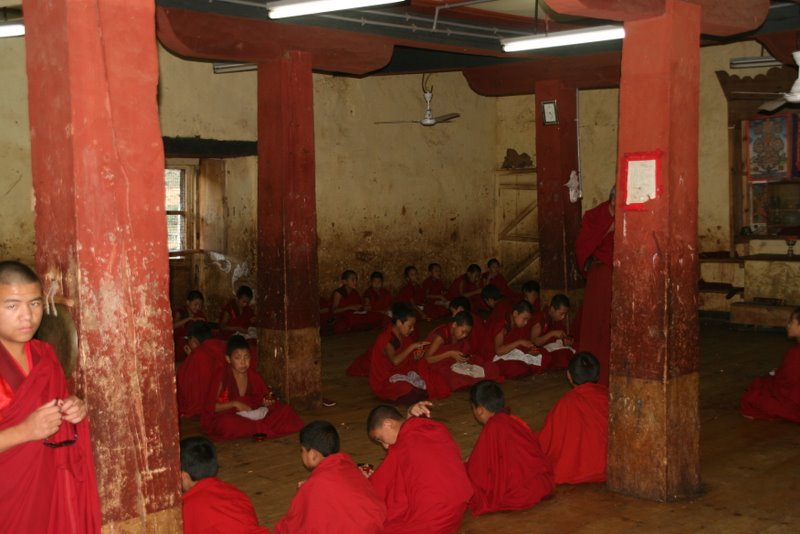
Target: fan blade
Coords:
[(446, 117), (772, 105), (397, 122)]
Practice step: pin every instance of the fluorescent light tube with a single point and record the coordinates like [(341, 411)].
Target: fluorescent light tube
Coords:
[(12, 30), (295, 8), (223, 68), (754, 62), (571, 37)]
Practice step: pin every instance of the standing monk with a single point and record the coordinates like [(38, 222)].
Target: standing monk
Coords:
[(595, 252), (48, 481)]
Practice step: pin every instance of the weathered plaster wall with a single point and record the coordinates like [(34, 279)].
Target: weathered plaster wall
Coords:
[(598, 111)]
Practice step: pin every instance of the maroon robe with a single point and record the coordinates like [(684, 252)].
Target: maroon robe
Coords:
[(351, 320), (462, 286), (575, 435), (507, 467), (212, 505), (195, 375), (594, 240), (179, 334), (778, 396), (381, 368), (499, 281), (380, 300), (42, 489), (516, 368), (242, 319), (434, 292), (559, 358), (226, 425), (336, 499), (422, 480)]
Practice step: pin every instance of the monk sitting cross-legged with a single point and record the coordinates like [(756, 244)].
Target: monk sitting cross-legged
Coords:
[(549, 332), (507, 467), (515, 354), (495, 277), (182, 318), (575, 432), (412, 293), (238, 314), (435, 293), (240, 404), (468, 285), (377, 297), (422, 478), (348, 310), (195, 374), (337, 498)]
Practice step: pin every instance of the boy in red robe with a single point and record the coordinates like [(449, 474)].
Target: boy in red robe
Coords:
[(515, 353), (435, 293), (348, 309), (240, 404), (549, 333), (182, 318), (575, 432), (498, 305), (195, 374), (47, 477), (209, 504), (237, 315), (394, 358), (412, 293), (507, 467), (495, 277), (530, 292), (422, 479), (778, 396), (468, 285), (336, 498), (377, 297)]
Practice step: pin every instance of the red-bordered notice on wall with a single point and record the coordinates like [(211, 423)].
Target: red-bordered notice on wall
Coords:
[(641, 179)]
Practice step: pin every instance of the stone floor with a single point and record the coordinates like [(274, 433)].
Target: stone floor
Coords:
[(750, 469)]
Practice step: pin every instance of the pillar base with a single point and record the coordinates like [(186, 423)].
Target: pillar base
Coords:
[(169, 520), (290, 362)]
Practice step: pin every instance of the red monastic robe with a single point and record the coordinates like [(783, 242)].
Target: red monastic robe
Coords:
[(575, 435), (435, 291), (423, 480), (380, 300), (507, 467), (195, 375), (461, 286), (412, 294), (516, 368), (595, 240), (350, 320), (42, 489), (499, 281), (336, 499), (220, 426), (212, 505), (778, 396), (238, 318), (179, 334), (559, 358), (381, 368)]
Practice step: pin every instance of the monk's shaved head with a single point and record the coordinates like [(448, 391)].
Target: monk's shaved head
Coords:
[(381, 413), (14, 272), (488, 394), (583, 368)]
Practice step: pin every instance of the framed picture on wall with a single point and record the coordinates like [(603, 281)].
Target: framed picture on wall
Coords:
[(549, 112), (770, 148)]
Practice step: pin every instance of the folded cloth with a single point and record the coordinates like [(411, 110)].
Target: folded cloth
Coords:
[(256, 415), (468, 369), (518, 355), (412, 378)]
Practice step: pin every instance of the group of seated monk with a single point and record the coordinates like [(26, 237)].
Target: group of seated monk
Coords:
[(422, 484), (348, 310)]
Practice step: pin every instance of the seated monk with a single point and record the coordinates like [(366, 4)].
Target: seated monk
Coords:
[(182, 318), (450, 358), (498, 305), (238, 315), (336, 498), (240, 404), (435, 293), (507, 467), (549, 333), (575, 432), (515, 353), (393, 365), (495, 277), (348, 309), (530, 292), (778, 396), (468, 285), (422, 478), (209, 504), (195, 374), (377, 297), (412, 293)]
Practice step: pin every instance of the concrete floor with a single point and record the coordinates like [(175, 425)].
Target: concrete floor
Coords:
[(750, 469)]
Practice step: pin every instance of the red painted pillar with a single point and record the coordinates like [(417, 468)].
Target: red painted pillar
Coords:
[(287, 229), (654, 428), (98, 181), (556, 157)]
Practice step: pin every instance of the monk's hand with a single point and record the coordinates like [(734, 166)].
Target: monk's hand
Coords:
[(526, 344), (420, 409), (241, 407), (459, 356), (73, 409), (43, 422)]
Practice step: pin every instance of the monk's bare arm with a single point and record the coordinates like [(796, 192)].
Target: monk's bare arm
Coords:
[(432, 357), (397, 358), (500, 347)]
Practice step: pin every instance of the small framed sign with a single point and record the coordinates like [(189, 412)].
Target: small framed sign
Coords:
[(549, 112)]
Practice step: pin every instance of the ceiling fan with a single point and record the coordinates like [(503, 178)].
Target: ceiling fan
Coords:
[(428, 119), (792, 97)]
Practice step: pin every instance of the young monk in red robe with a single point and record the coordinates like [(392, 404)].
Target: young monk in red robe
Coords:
[(530, 292), (394, 358), (238, 315), (348, 309), (507, 467), (209, 504), (498, 305), (549, 333), (515, 353), (436, 302), (337, 498), (468, 285), (778, 396), (594, 250), (495, 277), (575, 432), (195, 374), (412, 293), (47, 477), (182, 318), (422, 479), (377, 297), (240, 404)]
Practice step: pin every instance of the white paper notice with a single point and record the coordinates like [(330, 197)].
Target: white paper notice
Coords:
[(641, 181)]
